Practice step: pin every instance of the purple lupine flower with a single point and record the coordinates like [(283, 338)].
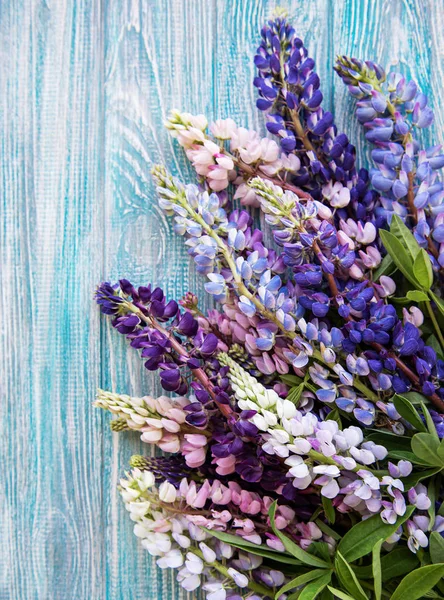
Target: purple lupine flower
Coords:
[(390, 110), (289, 91)]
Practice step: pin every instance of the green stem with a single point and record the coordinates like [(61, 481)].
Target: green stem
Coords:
[(255, 587), (244, 291), (435, 324), (328, 460)]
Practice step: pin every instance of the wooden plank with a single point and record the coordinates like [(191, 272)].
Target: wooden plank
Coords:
[(403, 36), (238, 36), (159, 56), (51, 256), (85, 88)]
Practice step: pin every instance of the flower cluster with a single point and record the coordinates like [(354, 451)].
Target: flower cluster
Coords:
[(304, 422), (392, 110)]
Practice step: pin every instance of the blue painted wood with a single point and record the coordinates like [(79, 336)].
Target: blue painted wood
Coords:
[(85, 86)]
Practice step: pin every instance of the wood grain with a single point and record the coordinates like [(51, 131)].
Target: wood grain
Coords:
[(84, 88)]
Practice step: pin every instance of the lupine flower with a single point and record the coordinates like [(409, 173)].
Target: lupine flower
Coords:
[(391, 109)]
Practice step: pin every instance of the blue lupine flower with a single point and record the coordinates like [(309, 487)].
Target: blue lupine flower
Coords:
[(405, 174)]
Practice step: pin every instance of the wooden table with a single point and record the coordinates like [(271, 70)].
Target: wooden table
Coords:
[(84, 88)]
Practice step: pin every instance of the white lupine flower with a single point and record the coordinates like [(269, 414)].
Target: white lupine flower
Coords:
[(158, 544), (326, 445), (300, 446), (343, 239), (223, 129), (167, 492), (281, 436), (273, 447), (208, 554), (172, 559), (194, 563), (138, 509), (182, 540), (240, 579), (285, 409), (379, 452), (330, 470), (226, 550), (330, 489), (388, 286), (188, 581), (290, 162), (241, 137), (349, 437), (365, 457), (346, 461), (215, 591)]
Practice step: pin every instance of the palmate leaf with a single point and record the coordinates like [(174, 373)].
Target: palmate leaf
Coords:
[(258, 550), (399, 254), (387, 267), (425, 447), (376, 570), (394, 564), (436, 548), (422, 270), (314, 588), (429, 422), (348, 578), (419, 582), (300, 580), (339, 594), (362, 537), (400, 230), (408, 412)]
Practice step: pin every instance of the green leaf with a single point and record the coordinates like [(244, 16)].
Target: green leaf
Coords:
[(258, 550), (433, 342), (397, 562), (436, 548), (408, 412), (425, 446), (422, 270), (294, 395), (399, 255), (419, 582), (339, 594), (329, 510), (348, 578), (415, 397), (291, 547), (417, 296), (418, 476), (403, 455), (391, 441), (313, 589), (291, 380), (441, 450), (361, 538), (400, 230), (334, 415), (387, 267), (376, 569), (429, 422), (439, 303), (327, 530), (400, 300), (300, 580)]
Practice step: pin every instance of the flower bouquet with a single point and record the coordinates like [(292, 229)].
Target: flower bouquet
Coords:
[(304, 430)]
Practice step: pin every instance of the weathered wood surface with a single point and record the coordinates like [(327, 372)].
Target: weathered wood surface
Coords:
[(84, 88)]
